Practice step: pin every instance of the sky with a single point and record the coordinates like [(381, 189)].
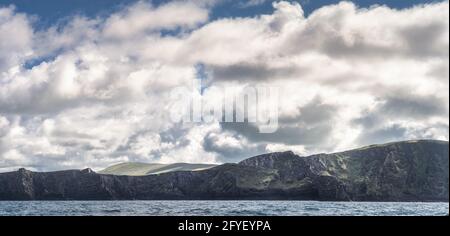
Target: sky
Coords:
[(51, 11), (88, 84)]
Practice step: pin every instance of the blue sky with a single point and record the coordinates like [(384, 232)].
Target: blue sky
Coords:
[(50, 11)]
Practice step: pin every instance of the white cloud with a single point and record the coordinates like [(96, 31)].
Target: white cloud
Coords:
[(98, 92), (15, 38), (142, 18)]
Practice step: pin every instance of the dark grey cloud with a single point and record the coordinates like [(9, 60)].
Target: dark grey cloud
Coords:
[(423, 40), (394, 132), (419, 107), (401, 106), (398, 132), (311, 127), (419, 41), (175, 134), (231, 154), (313, 113), (337, 47), (286, 134), (254, 71), (386, 122)]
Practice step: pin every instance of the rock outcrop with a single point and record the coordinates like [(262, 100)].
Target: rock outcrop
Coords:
[(403, 171)]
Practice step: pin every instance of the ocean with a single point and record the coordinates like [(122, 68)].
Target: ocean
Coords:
[(220, 208)]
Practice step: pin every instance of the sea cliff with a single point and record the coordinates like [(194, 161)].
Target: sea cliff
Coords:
[(402, 171)]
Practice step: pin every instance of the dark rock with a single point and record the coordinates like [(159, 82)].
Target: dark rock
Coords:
[(403, 171), (330, 188)]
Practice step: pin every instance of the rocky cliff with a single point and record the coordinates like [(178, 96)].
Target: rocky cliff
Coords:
[(403, 171)]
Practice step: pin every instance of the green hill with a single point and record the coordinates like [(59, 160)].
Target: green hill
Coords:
[(141, 169)]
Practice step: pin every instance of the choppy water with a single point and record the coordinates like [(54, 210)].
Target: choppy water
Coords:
[(219, 208)]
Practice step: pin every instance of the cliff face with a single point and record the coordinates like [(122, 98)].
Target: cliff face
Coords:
[(404, 171)]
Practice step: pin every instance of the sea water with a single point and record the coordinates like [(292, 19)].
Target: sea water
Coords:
[(220, 208)]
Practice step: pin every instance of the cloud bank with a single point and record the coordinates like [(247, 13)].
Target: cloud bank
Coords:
[(91, 92)]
